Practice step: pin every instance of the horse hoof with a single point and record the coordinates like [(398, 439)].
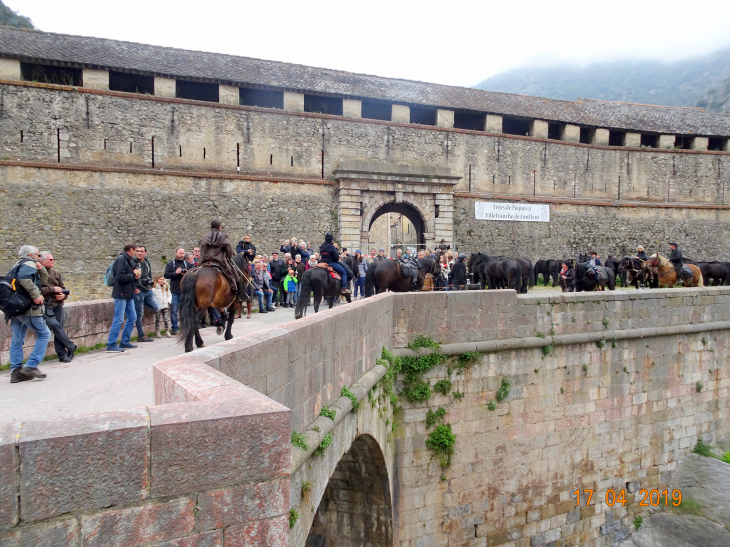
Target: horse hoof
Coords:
[(219, 330)]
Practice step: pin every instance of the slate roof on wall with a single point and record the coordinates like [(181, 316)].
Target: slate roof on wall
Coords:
[(37, 46)]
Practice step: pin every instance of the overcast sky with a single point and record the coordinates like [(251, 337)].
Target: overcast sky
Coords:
[(455, 42)]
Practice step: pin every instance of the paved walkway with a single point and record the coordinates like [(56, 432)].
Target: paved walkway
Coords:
[(100, 381)]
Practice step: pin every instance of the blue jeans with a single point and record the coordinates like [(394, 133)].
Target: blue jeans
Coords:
[(19, 327), (360, 284), (142, 299), (340, 270), (121, 308), (173, 310), (260, 296)]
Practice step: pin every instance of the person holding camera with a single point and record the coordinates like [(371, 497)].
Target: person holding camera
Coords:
[(143, 292), (126, 272), (55, 292), (31, 275), (174, 271)]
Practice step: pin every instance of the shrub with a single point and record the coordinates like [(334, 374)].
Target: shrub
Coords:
[(503, 391), (328, 413), (441, 440), (423, 342), (434, 416), (443, 386), (324, 445), (416, 391), (350, 395), (298, 440), (293, 517)]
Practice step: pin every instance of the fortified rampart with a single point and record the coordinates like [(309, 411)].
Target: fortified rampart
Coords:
[(608, 390)]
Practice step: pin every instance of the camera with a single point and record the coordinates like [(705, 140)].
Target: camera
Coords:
[(147, 281), (66, 291)]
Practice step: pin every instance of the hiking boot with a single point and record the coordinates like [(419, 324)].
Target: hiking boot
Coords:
[(145, 339), (113, 348), (32, 372), (17, 376), (127, 345)]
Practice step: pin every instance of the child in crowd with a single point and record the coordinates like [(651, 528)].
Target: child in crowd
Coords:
[(290, 286), (161, 291)]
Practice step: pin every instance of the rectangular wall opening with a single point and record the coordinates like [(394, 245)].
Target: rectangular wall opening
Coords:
[(649, 141), (323, 105), (49, 74), (423, 116), (616, 138), (196, 91), (554, 131), (473, 122), (587, 134), (376, 111), (717, 144), (683, 142), (131, 83), (515, 126), (261, 97)]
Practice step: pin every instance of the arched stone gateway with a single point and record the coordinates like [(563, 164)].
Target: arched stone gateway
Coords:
[(367, 189), (414, 214), (356, 508)]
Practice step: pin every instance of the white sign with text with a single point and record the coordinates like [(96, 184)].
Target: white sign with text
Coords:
[(520, 212)]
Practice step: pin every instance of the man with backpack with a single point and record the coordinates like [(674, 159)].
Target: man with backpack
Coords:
[(30, 275), (125, 271)]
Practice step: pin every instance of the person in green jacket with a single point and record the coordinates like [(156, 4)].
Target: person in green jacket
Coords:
[(290, 286)]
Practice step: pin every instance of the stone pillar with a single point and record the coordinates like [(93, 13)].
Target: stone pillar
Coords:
[(492, 124), (95, 79), (348, 218), (538, 129), (444, 118), (9, 69), (294, 102), (444, 224), (570, 133), (666, 141), (351, 108), (698, 143), (725, 145), (632, 140), (228, 94), (165, 87), (400, 114), (600, 136)]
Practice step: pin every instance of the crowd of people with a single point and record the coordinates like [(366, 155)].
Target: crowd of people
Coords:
[(275, 281)]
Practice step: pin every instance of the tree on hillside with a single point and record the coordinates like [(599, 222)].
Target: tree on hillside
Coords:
[(10, 18)]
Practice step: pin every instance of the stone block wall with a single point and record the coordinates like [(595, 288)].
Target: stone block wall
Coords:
[(595, 415), (87, 324), (208, 467)]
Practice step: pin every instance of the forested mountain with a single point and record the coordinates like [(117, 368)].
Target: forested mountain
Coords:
[(10, 18), (679, 83), (717, 99)]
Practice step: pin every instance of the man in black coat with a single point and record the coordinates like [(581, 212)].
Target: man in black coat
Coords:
[(174, 271), (676, 258), (458, 274), (276, 264), (126, 271)]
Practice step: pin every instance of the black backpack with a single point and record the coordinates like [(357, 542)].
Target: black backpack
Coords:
[(14, 299)]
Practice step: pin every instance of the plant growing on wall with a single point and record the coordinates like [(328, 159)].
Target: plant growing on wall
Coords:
[(298, 440), (324, 445), (441, 440)]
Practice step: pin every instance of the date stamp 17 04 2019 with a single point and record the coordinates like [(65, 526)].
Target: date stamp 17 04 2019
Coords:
[(647, 497)]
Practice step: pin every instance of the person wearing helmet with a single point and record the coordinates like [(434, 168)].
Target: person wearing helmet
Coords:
[(331, 256), (458, 280)]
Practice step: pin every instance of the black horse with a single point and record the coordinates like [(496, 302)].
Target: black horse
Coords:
[(322, 284), (528, 273), (387, 275), (495, 271), (548, 268), (613, 264), (585, 278), (715, 273), (634, 271)]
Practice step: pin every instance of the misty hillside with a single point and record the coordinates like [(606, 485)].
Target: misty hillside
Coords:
[(680, 83)]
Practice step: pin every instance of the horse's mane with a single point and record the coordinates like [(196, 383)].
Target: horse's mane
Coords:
[(241, 261), (662, 260)]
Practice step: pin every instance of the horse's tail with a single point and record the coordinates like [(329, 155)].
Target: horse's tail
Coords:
[(370, 280), (300, 309), (533, 277), (187, 318), (700, 283)]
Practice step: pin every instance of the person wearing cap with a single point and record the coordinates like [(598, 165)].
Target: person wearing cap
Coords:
[(458, 280), (362, 270), (381, 256), (641, 253), (676, 258), (595, 259)]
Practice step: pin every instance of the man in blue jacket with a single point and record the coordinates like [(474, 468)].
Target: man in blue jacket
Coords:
[(126, 272), (31, 275), (330, 255)]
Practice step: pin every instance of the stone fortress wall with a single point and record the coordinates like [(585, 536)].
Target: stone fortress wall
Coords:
[(612, 404), (269, 172)]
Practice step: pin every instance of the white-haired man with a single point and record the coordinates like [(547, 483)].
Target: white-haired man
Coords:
[(54, 291), (31, 275)]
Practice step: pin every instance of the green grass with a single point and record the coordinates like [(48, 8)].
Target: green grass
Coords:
[(702, 449), (688, 507)]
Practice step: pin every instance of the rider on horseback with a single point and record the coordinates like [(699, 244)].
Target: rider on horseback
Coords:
[(676, 259), (330, 255), (216, 248)]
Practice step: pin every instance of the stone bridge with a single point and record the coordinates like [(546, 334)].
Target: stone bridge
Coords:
[(254, 441)]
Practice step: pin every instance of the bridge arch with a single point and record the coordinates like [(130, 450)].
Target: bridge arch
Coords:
[(356, 507)]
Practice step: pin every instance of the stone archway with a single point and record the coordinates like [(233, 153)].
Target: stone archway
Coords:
[(356, 508), (405, 209), (364, 187)]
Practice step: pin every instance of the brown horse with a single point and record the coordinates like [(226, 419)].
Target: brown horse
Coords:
[(664, 271), (205, 287)]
